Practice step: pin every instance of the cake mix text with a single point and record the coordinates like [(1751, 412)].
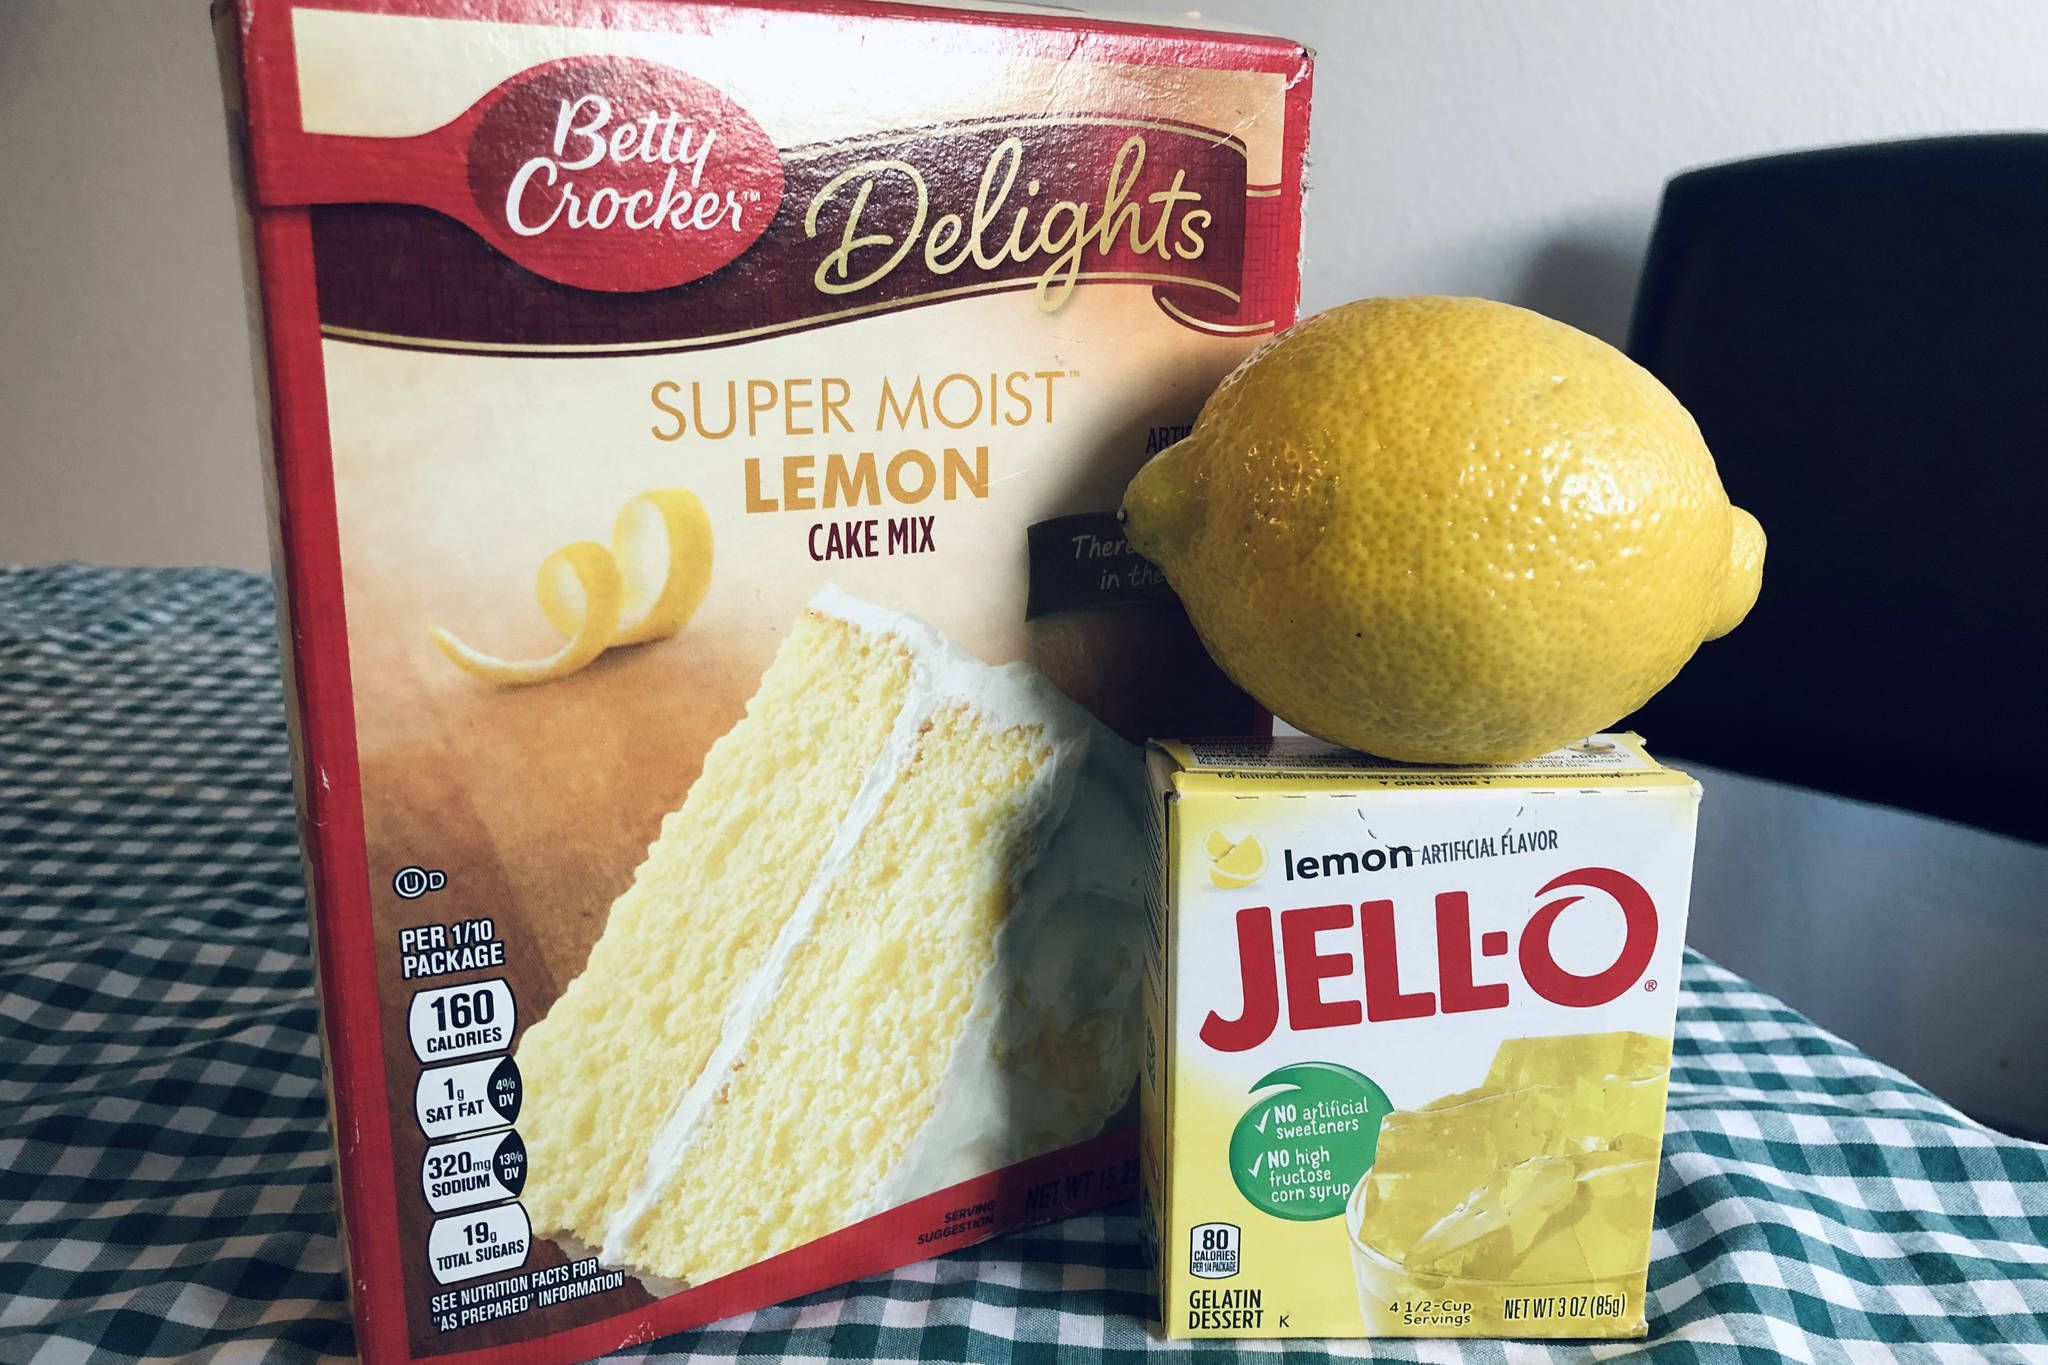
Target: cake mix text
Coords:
[(913, 441)]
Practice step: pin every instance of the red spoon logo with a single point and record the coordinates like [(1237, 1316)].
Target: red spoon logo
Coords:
[(618, 174)]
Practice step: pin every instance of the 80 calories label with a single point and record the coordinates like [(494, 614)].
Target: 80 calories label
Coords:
[(461, 1021)]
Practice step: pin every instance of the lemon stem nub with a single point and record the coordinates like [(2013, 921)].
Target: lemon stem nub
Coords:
[(1162, 507), (1745, 573)]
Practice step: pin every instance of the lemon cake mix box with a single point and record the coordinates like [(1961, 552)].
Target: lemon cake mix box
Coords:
[(717, 673), (1408, 1036)]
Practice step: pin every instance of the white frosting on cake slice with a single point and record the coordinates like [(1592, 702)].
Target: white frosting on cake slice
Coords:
[(1050, 1045)]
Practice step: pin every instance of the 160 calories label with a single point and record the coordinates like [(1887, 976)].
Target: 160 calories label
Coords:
[(461, 1021)]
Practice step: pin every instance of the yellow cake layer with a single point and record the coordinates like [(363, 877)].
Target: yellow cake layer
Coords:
[(603, 1069), (834, 1083)]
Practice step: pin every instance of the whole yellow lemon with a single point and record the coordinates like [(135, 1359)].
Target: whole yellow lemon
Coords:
[(1446, 530)]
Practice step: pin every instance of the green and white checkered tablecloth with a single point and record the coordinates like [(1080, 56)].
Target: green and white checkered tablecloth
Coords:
[(164, 1182)]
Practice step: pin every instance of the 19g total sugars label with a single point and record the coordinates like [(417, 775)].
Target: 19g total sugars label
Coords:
[(461, 1021), (466, 1245)]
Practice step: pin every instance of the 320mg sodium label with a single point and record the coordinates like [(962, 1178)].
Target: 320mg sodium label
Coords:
[(478, 1170)]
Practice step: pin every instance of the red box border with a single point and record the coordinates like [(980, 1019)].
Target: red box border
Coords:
[(308, 569)]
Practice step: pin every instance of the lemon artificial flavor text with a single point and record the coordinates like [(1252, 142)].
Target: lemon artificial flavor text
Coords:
[(1446, 530)]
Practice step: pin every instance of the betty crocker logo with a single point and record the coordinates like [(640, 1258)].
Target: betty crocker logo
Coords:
[(620, 175)]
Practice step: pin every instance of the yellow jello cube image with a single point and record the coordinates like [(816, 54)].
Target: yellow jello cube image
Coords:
[(1525, 1203)]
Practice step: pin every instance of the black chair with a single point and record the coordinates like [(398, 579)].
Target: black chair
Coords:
[(1862, 334)]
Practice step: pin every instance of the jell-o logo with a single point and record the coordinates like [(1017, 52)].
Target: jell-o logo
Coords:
[(1300, 968)]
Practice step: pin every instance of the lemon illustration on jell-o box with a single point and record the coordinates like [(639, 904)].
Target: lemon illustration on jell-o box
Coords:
[(1234, 863), (1446, 530)]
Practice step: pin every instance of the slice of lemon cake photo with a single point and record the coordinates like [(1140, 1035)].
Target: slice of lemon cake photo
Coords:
[(889, 942)]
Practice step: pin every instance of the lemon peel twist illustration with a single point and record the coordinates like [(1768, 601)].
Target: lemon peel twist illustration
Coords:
[(645, 586)]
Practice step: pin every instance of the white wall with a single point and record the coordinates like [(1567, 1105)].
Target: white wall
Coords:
[(1514, 150), (127, 431)]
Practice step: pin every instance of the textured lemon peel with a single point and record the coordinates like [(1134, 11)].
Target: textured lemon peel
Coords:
[(1745, 573), (644, 587), (1446, 531)]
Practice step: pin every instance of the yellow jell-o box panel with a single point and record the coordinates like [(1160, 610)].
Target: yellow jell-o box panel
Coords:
[(1409, 1037)]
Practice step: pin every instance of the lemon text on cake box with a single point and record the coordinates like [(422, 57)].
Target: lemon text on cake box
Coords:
[(1408, 1032)]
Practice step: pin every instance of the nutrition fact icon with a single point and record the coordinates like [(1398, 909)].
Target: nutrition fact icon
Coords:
[(465, 1100), (467, 1245), (1212, 1250), (461, 1021), (469, 1097), (472, 1171)]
